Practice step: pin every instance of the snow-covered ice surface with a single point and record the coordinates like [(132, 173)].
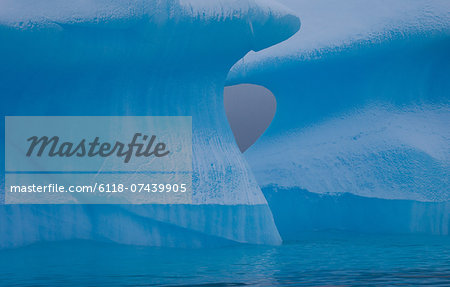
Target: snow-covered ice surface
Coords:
[(362, 121), (140, 58), (334, 26), (375, 152)]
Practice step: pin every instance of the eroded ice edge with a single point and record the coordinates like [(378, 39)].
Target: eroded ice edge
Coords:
[(163, 58), (361, 139)]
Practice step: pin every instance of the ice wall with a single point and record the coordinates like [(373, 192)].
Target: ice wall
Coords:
[(140, 58), (362, 110)]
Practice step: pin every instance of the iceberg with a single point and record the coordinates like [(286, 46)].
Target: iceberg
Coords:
[(157, 58), (360, 139)]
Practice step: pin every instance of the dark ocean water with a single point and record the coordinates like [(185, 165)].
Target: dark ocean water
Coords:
[(339, 259)]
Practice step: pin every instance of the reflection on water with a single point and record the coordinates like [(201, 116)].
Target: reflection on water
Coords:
[(317, 259)]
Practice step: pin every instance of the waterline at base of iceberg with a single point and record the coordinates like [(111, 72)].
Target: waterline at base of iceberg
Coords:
[(190, 226)]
